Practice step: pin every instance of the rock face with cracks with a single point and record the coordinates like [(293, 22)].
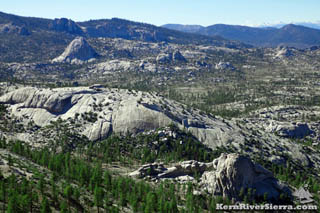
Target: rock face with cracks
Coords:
[(226, 176), (65, 25), (97, 113), (158, 171), (234, 173), (77, 52), (175, 56), (113, 110), (291, 130)]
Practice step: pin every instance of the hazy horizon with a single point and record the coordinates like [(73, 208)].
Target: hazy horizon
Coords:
[(205, 13)]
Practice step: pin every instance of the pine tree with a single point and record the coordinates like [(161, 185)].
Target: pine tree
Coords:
[(249, 194), (63, 207), (134, 204), (315, 187), (123, 201), (161, 205), (212, 205), (54, 191), (10, 161), (24, 186), (76, 194), (13, 203), (190, 203), (241, 193), (108, 202), (34, 197), (245, 199), (265, 196), (25, 202), (68, 193), (41, 184), (151, 202), (45, 207), (190, 200), (173, 205), (3, 194), (107, 180), (167, 206), (98, 197)]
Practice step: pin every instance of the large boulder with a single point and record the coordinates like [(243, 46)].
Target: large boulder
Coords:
[(235, 173), (78, 51)]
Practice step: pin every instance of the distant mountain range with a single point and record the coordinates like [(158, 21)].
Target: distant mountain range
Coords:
[(28, 38), (109, 28), (288, 35), (315, 25)]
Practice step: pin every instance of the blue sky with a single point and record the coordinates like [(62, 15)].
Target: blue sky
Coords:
[(158, 12)]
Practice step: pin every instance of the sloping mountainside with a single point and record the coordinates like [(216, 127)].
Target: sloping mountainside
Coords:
[(313, 25), (88, 149), (102, 111), (44, 38), (119, 28), (119, 116), (289, 35), (184, 28)]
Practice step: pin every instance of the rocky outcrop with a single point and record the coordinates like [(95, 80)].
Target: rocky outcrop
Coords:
[(111, 110), (295, 130), (224, 65), (98, 112), (153, 169), (164, 58), (201, 64), (66, 25), (147, 66), (283, 52), (234, 173), (8, 168), (158, 171), (290, 130), (226, 176), (77, 52), (314, 48), (176, 56), (111, 66), (13, 29)]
